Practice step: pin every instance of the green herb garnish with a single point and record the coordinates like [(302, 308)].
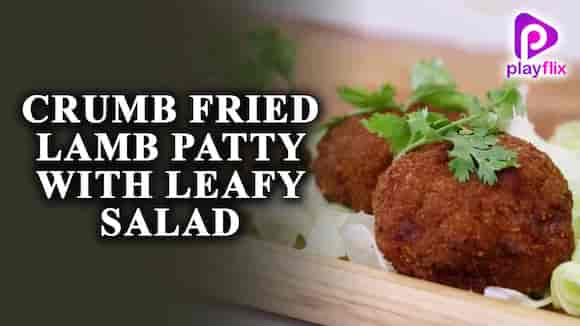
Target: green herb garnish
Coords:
[(432, 84), (382, 98), (251, 60), (391, 127), (475, 150), (364, 102), (474, 137), (427, 74), (272, 53), (499, 109), (505, 102)]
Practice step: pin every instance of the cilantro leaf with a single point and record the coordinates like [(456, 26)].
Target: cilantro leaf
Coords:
[(462, 168), (250, 60), (486, 119), (444, 98), (383, 98), (429, 74), (407, 132), (424, 123), (505, 102), (478, 151), (391, 127), (271, 53), (474, 151), (433, 85), (474, 137), (500, 108), (365, 102)]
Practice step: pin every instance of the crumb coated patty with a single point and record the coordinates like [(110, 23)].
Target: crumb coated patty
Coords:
[(350, 159), (470, 235)]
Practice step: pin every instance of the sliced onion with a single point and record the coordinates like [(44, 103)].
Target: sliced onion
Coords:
[(361, 247), (324, 238), (314, 202), (515, 297), (566, 287), (362, 218)]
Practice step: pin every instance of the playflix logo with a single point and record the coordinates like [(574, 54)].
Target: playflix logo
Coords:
[(532, 37)]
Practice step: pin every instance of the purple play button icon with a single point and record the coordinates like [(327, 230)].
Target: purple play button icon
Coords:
[(532, 36)]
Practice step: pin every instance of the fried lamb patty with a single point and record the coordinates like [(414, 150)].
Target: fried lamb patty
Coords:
[(471, 235)]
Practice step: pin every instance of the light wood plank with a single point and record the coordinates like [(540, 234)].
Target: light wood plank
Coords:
[(334, 292)]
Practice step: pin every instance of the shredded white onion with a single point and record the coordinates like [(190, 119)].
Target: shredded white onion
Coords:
[(324, 238), (360, 244), (515, 297), (565, 287)]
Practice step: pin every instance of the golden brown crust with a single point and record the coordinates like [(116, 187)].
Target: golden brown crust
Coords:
[(349, 161), (470, 235)]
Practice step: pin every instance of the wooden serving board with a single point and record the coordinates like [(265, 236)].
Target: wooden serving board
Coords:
[(334, 292)]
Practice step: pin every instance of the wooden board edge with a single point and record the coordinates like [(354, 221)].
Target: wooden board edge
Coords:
[(334, 292)]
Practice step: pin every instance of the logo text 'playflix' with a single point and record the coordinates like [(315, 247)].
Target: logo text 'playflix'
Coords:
[(532, 37)]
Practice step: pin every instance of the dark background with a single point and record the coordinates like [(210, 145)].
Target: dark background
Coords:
[(55, 271)]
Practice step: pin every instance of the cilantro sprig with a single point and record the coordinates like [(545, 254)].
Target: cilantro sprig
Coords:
[(272, 53), (505, 102), (499, 109), (364, 102), (255, 59), (360, 98), (431, 74), (474, 137), (432, 84), (475, 150)]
